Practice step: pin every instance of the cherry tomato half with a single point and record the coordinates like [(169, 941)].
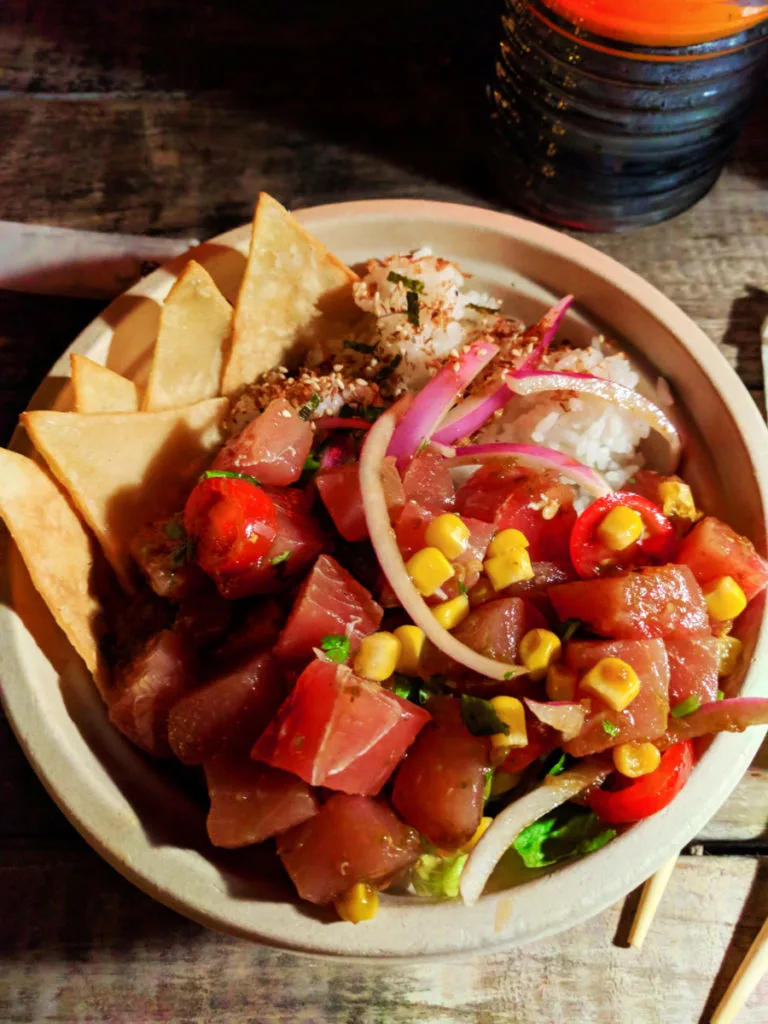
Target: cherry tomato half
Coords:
[(591, 557), (232, 523), (648, 794)]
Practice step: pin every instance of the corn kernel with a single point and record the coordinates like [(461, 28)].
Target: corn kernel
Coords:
[(729, 653), (620, 528), (512, 713), (561, 683), (677, 501), (359, 903), (538, 649), (614, 681), (448, 534), (481, 592), (725, 598), (636, 759), (411, 643), (513, 566), (506, 540), (429, 569), (469, 846), (378, 656), (450, 613)]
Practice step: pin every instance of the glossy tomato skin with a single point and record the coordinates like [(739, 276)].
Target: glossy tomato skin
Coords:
[(713, 549), (147, 689), (693, 668), (160, 550), (649, 794), (352, 839), (592, 558), (339, 489), (541, 741), (231, 523), (298, 537), (251, 802), (653, 602), (330, 602), (273, 447), (227, 713), (646, 716), (427, 481), (340, 731), (537, 504), (439, 788)]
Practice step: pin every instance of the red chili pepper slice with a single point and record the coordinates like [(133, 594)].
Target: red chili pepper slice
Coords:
[(231, 522), (648, 794), (592, 558)]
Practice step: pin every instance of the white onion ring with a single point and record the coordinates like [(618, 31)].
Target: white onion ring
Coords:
[(554, 791), (391, 560), (567, 718)]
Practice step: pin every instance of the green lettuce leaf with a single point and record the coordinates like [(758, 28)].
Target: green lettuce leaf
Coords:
[(567, 832), (438, 877)]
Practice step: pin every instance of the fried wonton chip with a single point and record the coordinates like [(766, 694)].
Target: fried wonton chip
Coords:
[(195, 325), (98, 389), (57, 551), (123, 470), (294, 292)]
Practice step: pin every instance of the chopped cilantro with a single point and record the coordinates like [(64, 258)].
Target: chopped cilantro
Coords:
[(720, 695), (508, 675), (180, 555), (424, 444), (282, 557), (462, 588), (305, 412), (488, 786), (570, 628), (336, 647), (311, 463), (210, 474), (567, 832), (386, 371), (436, 876), (481, 309), (480, 717), (360, 346), (414, 690), (685, 707), (412, 302), (610, 729), (174, 530), (371, 412), (558, 767), (410, 282)]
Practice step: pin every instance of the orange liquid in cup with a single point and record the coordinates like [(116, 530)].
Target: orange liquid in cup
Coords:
[(662, 22)]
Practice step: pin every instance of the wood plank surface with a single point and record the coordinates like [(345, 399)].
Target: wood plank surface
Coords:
[(168, 118)]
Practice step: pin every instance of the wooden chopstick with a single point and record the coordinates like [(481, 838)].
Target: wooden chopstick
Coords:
[(650, 898), (745, 980)]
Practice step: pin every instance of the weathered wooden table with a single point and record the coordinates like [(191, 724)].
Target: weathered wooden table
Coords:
[(167, 119)]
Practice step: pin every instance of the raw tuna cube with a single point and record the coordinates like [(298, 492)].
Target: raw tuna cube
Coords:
[(693, 668), (273, 447), (427, 480), (713, 549), (339, 489)]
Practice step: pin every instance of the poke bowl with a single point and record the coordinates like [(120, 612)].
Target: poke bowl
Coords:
[(549, 368)]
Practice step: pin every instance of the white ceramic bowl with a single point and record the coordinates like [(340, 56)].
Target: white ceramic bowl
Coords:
[(150, 830)]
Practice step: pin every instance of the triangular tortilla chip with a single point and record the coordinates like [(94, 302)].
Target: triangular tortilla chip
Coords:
[(57, 551), (293, 292), (98, 389), (123, 470), (195, 324)]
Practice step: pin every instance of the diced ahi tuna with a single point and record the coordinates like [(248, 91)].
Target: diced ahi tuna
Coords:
[(251, 802), (482, 494), (493, 629), (646, 716), (653, 602), (352, 839), (693, 668), (229, 712), (427, 480), (340, 731), (204, 617), (439, 787), (712, 549), (339, 489), (298, 542), (148, 688), (259, 630), (330, 602), (160, 550), (273, 447)]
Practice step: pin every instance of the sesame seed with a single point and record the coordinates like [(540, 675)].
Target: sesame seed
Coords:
[(286, 413)]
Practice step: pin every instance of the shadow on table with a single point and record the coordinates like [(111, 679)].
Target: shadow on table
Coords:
[(745, 321)]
